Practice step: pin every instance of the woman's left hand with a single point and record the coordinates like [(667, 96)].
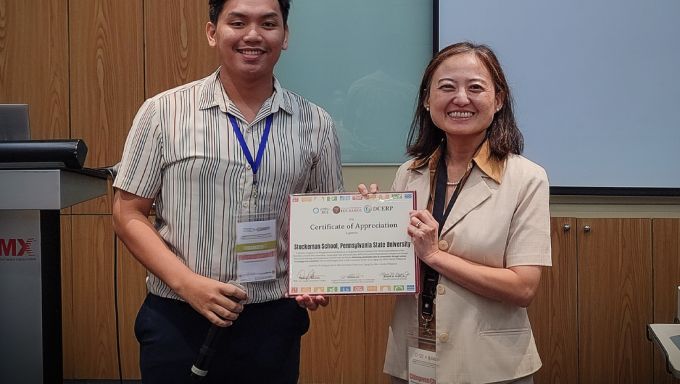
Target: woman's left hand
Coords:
[(424, 232)]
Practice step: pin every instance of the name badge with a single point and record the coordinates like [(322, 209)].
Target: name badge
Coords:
[(422, 366), (256, 250)]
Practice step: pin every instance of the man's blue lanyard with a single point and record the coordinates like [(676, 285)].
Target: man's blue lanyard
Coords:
[(255, 165)]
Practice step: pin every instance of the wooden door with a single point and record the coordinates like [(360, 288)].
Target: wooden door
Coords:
[(614, 300), (553, 311)]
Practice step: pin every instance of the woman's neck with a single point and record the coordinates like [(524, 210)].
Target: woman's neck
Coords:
[(459, 150)]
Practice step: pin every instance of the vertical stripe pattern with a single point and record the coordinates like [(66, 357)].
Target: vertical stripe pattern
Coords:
[(182, 151)]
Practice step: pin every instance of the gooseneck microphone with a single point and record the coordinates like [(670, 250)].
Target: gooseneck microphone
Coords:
[(200, 368)]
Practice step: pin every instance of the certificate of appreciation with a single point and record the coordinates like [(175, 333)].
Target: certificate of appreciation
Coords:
[(348, 244)]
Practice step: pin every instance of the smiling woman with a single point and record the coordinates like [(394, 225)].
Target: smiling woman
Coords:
[(464, 135)]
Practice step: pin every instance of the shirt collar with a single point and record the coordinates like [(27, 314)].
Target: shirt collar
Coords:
[(212, 91), (489, 166)]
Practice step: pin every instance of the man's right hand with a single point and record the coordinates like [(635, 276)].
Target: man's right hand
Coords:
[(218, 302), (365, 191)]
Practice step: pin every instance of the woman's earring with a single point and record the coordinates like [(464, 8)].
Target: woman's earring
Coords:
[(427, 108)]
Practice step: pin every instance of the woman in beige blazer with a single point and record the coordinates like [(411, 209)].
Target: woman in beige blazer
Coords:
[(485, 261)]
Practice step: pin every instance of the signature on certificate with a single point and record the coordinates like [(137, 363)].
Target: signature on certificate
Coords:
[(352, 276), (308, 275), (394, 275)]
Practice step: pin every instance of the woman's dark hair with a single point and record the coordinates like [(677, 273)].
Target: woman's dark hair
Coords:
[(215, 7), (503, 134)]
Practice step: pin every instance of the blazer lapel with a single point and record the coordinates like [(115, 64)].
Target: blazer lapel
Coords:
[(475, 192)]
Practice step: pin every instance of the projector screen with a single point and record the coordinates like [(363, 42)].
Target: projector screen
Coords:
[(596, 85)]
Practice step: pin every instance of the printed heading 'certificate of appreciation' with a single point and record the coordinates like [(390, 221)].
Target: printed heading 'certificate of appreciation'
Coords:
[(347, 244)]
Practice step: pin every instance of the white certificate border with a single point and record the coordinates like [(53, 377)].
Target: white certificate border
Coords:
[(352, 293)]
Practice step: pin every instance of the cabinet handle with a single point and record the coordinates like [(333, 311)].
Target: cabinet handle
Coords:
[(586, 228), (566, 227)]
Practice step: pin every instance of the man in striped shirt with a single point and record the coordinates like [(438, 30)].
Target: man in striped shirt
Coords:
[(212, 153)]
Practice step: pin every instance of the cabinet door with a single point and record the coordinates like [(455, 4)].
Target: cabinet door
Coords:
[(553, 310), (666, 281), (614, 300)]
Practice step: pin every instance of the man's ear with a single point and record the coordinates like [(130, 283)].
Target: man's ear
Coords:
[(210, 29), (285, 39)]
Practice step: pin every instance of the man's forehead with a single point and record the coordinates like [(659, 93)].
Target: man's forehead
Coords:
[(260, 8)]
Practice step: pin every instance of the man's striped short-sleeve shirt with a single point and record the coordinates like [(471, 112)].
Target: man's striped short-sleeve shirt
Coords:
[(182, 151)]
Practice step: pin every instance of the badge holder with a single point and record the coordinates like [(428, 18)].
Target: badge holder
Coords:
[(256, 240), (422, 355)]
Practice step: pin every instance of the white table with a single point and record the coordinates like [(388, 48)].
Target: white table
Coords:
[(667, 337)]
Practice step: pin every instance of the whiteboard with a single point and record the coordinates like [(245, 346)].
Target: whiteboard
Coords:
[(596, 83), (362, 62)]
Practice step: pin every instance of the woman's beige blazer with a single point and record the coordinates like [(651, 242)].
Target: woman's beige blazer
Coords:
[(501, 219)]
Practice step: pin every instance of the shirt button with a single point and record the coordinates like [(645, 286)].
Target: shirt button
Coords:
[(245, 204), (248, 167), (443, 245), (441, 289), (444, 337)]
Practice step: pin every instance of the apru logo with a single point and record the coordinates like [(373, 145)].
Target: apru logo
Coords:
[(16, 247)]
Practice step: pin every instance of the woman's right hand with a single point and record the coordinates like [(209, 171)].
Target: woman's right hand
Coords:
[(365, 191)]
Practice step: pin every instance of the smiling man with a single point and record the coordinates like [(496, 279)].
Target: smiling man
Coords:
[(219, 157)]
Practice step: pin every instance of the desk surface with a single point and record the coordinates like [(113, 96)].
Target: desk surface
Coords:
[(667, 337)]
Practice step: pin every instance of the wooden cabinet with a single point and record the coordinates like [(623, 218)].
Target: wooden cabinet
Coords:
[(609, 278), (614, 300), (666, 279), (553, 312)]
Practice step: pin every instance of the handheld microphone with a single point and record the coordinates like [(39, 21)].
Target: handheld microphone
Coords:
[(200, 368)]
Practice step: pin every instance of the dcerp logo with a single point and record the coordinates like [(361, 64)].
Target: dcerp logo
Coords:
[(16, 247)]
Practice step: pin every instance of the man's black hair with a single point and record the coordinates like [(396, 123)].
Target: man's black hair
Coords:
[(215, 7)]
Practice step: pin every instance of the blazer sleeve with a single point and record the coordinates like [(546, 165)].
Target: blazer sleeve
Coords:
[(529, 235)]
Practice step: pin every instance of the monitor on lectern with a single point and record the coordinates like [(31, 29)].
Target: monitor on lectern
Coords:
[(14, 122)]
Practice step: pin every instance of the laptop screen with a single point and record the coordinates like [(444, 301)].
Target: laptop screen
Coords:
[(14, 122)]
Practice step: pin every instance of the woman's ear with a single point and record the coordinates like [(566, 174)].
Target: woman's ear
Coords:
[(500, 99)]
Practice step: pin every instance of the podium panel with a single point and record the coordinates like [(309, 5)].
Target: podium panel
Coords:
[(30, 271)]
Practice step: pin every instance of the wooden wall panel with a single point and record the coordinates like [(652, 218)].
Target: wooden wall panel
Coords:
[(615, 300), (378, 316), (107, 79), (131, 293), (34, 63), (92, 314), (177, 50), (553, 311), (67, 331), (666, 254), (333, 351)]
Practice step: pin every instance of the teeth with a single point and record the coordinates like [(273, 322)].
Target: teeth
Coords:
[(251, 51), (460, 114)]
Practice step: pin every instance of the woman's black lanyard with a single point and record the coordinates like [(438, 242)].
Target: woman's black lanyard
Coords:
[(431, 277)]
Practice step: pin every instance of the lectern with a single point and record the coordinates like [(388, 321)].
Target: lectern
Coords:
[(30, 273)]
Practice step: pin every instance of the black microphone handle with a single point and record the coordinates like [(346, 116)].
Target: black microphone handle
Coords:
[(200, 368)]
